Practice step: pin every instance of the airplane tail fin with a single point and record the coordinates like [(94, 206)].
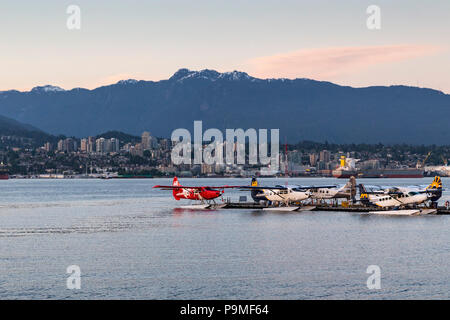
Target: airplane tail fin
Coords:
[(255, 193), (176, 191), (436, 184), (435, 189), (351, 183), (350, 187), (363, 196)]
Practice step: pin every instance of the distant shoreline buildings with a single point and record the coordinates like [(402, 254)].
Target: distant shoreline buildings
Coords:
[(105, 146), (151, 156)]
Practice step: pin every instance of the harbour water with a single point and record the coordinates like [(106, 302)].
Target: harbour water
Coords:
[(131, 242)]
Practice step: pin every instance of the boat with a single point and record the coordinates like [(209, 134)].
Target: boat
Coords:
[(344, 173), (379, 173), (4, 174), (347, 169)]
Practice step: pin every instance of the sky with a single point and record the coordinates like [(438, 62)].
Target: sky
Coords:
[(151, 40)]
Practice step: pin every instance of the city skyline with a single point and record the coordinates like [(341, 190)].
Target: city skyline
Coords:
[(150, 154)]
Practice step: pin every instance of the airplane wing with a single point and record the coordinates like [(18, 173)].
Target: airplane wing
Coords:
[(283, 188), (423, 189), (259, 188), (315, 187), (376, 192), (430, 191), (392, 191), (395, 192), (372, 187), (193, 187)]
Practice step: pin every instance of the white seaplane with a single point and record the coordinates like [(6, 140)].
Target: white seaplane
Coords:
[(406, 198)]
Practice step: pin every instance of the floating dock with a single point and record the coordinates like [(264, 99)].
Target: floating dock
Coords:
[(440, 210), (319, 207)]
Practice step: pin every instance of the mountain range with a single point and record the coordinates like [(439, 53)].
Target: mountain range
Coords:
[(302, 109)]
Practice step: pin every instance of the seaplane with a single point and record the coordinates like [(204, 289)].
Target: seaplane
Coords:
[(401, 197), (347, 191), (284, 195), (205, 194)]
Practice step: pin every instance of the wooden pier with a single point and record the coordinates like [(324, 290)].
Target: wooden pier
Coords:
[(320, 207)]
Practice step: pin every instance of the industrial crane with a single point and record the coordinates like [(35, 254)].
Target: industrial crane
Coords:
[(422, 164)]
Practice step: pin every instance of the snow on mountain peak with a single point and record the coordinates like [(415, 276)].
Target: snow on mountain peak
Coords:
[(208, 74), (184, 74), (47, 88), (129, 81), (235, 75)]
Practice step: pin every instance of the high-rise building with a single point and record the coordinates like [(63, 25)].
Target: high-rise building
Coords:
[(84, 145), (67, 145), (48, 147), (325, 156), (107, 146), (146, 142), (115, 145), (60, 146), (313, 159), (100, 145), (91, 145)]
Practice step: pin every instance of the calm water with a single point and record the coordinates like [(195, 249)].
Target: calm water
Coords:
[(131, 243)]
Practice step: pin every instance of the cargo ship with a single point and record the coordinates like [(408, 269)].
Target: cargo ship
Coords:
[(379, 173), (348, 169)]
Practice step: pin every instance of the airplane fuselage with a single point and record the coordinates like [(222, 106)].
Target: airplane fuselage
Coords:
[(196, 194), (283, 195), (398, 200), (324, 193)]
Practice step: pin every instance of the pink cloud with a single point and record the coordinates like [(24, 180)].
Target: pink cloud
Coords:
[(329, 63)]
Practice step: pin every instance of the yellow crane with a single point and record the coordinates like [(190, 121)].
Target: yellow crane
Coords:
[(422, 164)]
